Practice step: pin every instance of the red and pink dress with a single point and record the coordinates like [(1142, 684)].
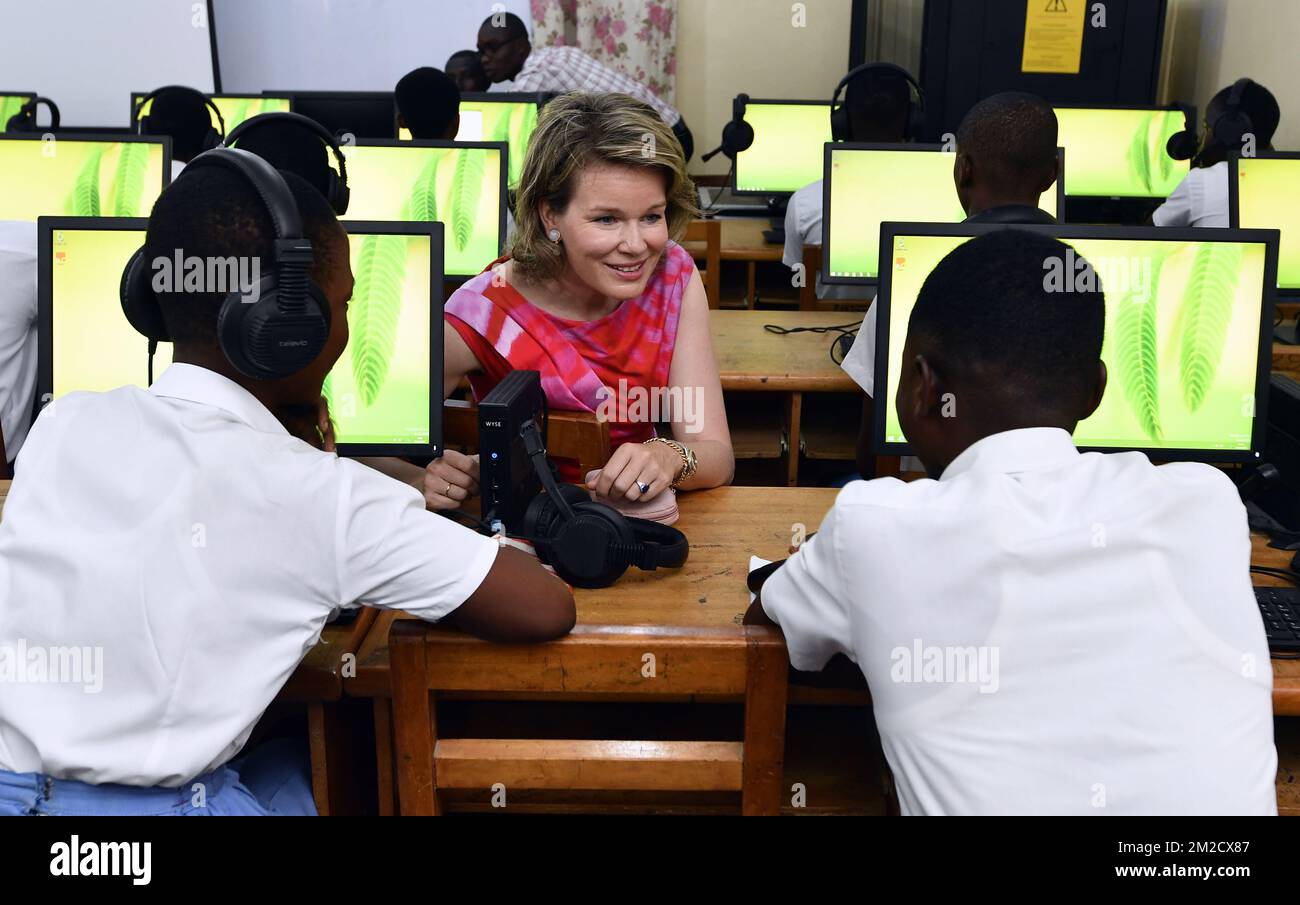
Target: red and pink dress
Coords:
[(634, 343)]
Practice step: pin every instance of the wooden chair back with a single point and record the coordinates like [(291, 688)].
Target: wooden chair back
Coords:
[(570, 435), (710, 233), (812, 265)]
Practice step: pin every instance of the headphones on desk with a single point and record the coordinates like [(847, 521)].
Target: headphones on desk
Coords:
[(842, 126), (144, 124), (285, 329), (337, 191), (25, 119), (590, 544), (1226, 131)]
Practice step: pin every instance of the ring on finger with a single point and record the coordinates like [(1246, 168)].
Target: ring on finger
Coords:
[(643, 487)]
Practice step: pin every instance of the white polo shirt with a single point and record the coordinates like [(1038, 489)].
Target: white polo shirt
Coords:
[(1201, 199), (1045, 631), (17, 331), (194, 549)]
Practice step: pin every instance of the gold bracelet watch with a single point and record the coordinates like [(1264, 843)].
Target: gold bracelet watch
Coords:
[(689, 462)]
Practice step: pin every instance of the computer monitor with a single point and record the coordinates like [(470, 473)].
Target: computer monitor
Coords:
[(504, 116), (1264, 193), (235, 108), (361, 114), (787, 150), (10, 103), (81, 175), (461, 184), (386, 390), (867, 184), (1119, 152), (1188, 341)]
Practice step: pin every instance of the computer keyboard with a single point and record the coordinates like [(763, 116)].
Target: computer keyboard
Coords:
[(1280, 608)]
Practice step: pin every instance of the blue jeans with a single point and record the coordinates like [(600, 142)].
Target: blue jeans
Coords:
[(272, 779)]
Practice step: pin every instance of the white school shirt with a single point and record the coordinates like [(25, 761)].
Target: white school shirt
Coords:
[(803, 226), (184, 534), (1201, 199), (1103, 605), (17, 331)]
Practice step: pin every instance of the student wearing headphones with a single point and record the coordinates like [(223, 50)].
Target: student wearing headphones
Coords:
[(877, 107), (1006, 159), (428, 103), (191, 540), (1245, 109), (299, 145), (186, 115), (1042, 630)]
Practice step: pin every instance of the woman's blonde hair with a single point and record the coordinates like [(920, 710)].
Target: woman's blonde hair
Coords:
[(578, 130)]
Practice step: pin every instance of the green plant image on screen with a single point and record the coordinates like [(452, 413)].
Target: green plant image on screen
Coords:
[(788, 146), (513, 122), (379, 391), (10, 104), (1120, 153), (460, 187), (1268, 193), (1181, 347), (234, 110), (78, 178)]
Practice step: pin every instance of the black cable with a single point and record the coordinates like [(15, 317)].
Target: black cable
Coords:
[(1278, 573), (153, 347), (841, 329), (468, 517)]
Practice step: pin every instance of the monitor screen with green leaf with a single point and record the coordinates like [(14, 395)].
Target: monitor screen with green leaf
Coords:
[(460, 184), (511, 118), (1264, 193), (10, 104), (385, 391), (1188, 332), (1119, 152), (81, 176), (234, 108)]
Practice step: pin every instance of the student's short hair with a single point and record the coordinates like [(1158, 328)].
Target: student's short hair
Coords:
[(511, 25), (466, 56), (213, 212), (878, 96), (291, 147), (429, 101), (576, 131), (182, 114), (1012, 138), (1259, 104), (986, 317)]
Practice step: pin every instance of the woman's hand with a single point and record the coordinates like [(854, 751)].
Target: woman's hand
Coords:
[(451, 480), (633, 464)]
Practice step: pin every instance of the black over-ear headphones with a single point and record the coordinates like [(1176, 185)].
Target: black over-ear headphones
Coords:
[(1226, 131), (211, 138), (338, 193), (841, 124), (286, 327), (590, 544), (737, 135), (25, 119)]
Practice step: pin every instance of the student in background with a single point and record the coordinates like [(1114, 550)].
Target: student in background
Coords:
[(1201, 199), (510, 59), (879, 103), (1042, 631), (466, 69), (286, 144), (1005, 160), (17, 331), (183, 114), (428, 103), (235, 531)]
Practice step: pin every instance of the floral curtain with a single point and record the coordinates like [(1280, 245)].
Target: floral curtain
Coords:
[(636, 37)]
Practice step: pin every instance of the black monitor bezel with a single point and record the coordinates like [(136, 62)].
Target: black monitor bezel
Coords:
[(502, 146), (46, 226), (1190, 123), (164, 140), (735, 169), (831, 147), (1284, 293), (1064, 232)]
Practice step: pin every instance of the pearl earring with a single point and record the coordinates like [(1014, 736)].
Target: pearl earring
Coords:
[(554, 235)]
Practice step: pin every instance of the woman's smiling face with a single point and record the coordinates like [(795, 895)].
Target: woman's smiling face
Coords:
[(615, 229)]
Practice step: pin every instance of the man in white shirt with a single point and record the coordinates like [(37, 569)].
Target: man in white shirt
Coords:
[(1042, 631), (878, 102), (1005, 160), (17, 331), (168, 556), (511, 62), (1201, 199)]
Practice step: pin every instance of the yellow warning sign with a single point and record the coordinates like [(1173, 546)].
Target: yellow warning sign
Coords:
[(1053, 36)]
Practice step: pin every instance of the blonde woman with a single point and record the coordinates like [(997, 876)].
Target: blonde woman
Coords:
[(596, 294)]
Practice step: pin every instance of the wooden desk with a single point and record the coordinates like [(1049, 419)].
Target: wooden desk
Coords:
[(751, 359), (1286, 357), (742, 240)]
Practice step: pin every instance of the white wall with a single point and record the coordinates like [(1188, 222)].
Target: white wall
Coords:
[(358, 45)]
